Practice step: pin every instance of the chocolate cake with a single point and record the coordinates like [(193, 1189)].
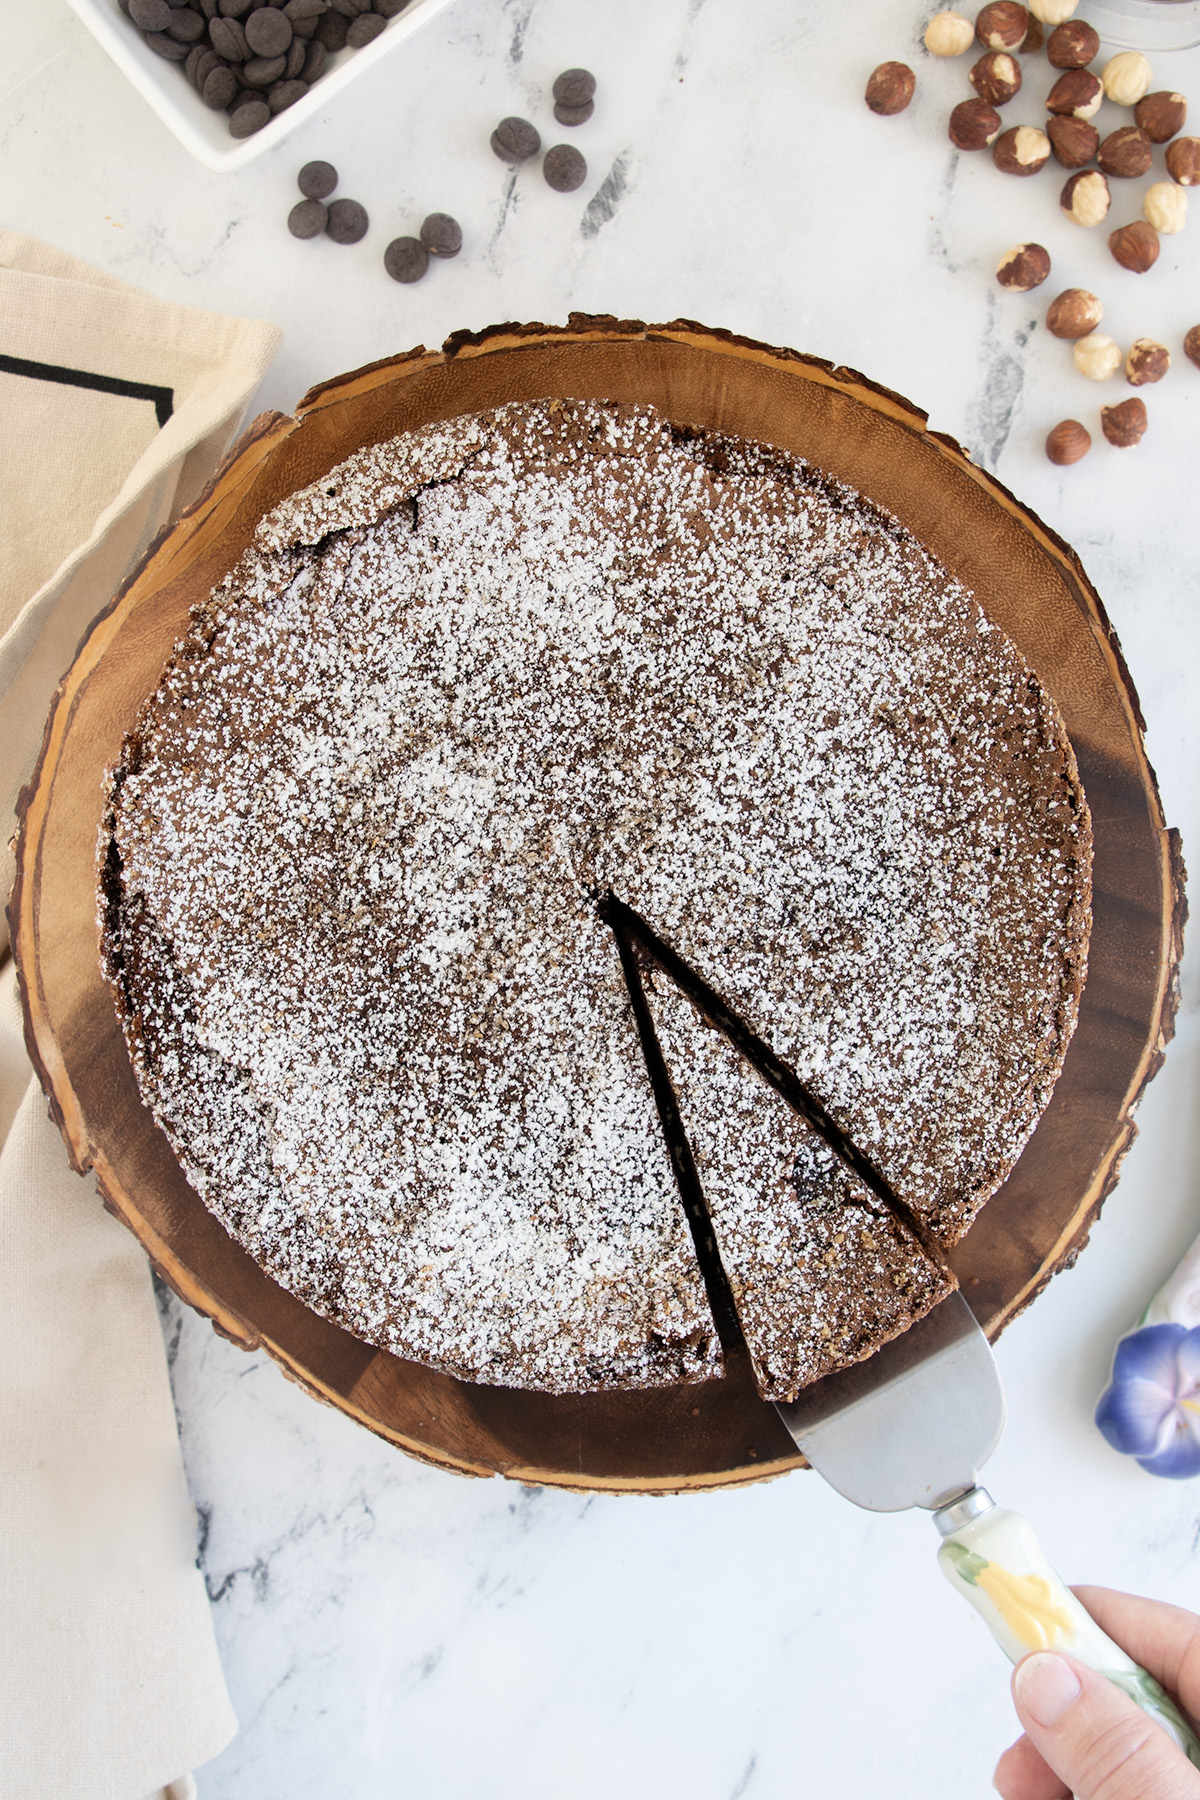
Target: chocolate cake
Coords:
[(472, 700)]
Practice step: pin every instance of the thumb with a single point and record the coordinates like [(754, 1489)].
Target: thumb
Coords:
[(1094, 1737)]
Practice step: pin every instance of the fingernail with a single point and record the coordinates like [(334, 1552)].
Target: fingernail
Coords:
[(1046, 1686)]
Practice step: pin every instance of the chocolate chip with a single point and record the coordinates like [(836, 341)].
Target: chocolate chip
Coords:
[(308, 219), (317, 180), (303, 29), (406, 259), (295, 59), (192, 64), (206, 61), (249, 117), (315, 58), (574, 115), (296, 10), (285, 94), (228, 39), (170, 47), (235, 9), (263, 71), (268, 32), (219, 88), (575, 87), (331, 31), (347, 221), (350, 9), (188, 26), (440, 234), (364, 30), (564, 168), (515, 140), (208, 8), (390, 8), (150, 15)]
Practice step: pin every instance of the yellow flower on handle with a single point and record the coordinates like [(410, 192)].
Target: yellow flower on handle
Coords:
[(1029, 1606)]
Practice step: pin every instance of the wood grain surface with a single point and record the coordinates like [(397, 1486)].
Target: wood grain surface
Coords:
[(1029, 583)]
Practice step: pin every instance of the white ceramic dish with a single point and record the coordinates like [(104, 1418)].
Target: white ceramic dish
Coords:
[(205, 133), (1147, 24)]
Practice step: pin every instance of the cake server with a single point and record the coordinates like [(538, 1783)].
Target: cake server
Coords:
[(913, 1425)]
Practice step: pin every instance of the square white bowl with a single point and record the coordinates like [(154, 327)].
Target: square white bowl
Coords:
[(206, 133)]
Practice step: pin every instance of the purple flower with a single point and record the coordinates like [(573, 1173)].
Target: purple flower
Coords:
[(1151, 1409)]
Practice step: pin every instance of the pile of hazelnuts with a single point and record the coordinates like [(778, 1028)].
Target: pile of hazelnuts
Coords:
[(1003, 28)]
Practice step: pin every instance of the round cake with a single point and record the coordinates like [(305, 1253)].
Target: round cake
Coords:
[(588, 892)]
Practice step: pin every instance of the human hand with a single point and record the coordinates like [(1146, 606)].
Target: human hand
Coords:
[(1083, 1736)]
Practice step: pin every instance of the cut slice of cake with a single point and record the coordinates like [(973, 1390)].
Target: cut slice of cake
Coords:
[(821, 1271)]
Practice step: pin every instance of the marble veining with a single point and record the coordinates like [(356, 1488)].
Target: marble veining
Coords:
[(389, 1630), (1000, 384)]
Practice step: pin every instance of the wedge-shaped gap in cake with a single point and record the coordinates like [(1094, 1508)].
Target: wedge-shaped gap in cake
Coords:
[(691, 1192), (776, 1073), (819, 1260)]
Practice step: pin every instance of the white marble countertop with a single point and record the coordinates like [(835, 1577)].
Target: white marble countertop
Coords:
[(388, 1629)]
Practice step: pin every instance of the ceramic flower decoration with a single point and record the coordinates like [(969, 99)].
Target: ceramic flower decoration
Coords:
[(1151, 1408)]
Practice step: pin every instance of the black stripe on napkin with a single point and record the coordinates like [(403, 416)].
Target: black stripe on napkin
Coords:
[(162, 397)]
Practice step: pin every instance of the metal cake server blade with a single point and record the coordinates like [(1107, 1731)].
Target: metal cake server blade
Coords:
[(913, 1425)]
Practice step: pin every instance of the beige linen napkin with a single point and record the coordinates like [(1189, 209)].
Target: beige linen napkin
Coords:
[(115, 409)]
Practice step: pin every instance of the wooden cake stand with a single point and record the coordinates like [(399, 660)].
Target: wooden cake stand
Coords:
[(1029, 583)]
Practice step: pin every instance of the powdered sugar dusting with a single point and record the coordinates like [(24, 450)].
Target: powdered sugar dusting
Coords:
[(456, 688)]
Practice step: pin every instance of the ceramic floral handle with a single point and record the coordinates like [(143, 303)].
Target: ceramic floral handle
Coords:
[(1151, 1407), (996, 1562)]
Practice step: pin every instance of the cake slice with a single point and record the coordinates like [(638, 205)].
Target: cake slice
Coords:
[(821, 1272)]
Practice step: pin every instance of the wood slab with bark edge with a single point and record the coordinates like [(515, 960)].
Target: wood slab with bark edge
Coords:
[(1028, 581)]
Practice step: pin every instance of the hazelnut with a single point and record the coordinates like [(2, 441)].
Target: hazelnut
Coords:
[(1068, 442), (1183, 161), (1022, 150), (1002, 25), (1126, 151), (1165, 207), (1076, 94), (949, 34), (1191, 345), (1075, 141), (1127, 77), (1073, 45), (1086, 198), (890, 88), (995, 77), (1146, 362), (1052, 12), (1098, 357), (1023, 267), (974, 124), (1124, 425), (1135, 246), (1035, 37), (1161, 116), (1073, 314)]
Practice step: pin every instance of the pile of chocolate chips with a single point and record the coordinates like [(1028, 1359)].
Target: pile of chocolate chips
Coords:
[(345, 221), (254, 58), (407, 258), (564, 167)]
